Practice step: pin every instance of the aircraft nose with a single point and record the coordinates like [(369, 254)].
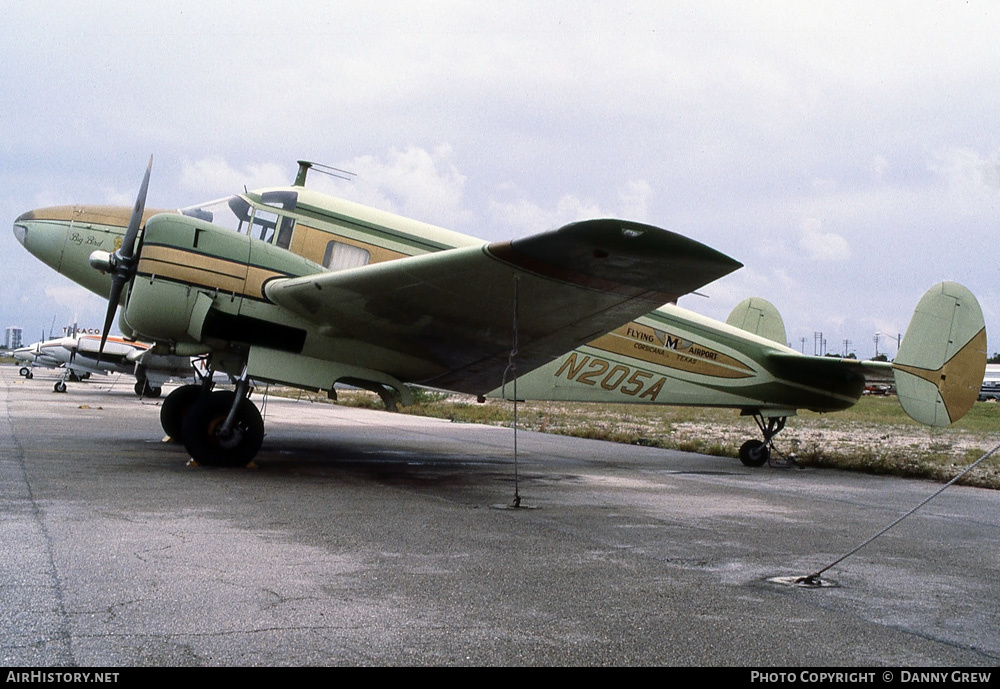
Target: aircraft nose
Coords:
[(21, 228), (43, 233), (64, 237)]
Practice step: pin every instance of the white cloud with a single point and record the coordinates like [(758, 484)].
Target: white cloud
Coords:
[(70, 296), (526, 217), (215, 177), (968, 174), (635, 198), (822, 246), (117, 197), (520, 217), (728, 122), (879, 166), (415, 182)]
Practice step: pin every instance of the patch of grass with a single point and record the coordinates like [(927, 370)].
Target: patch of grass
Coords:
[(705, 448), (935, 466)]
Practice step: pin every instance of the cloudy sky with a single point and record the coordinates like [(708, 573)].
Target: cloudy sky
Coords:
[(847, 153)]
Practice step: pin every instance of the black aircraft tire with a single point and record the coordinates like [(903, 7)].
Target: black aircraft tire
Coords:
[(175, 407), (60, 386), (207, 447), (24, 371), (144, 389), (754, 453)]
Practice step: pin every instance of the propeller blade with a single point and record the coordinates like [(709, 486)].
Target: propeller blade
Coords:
[(123, 265), (113, 298), (128, 243)]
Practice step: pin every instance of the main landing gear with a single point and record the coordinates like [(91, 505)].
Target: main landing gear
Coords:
[(218, 428), (71, 376), (756, 453)]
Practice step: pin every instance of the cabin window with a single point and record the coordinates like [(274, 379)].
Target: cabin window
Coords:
[(285, 233), (340, 256)]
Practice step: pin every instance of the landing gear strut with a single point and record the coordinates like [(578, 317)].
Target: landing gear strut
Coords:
[(756, 453)]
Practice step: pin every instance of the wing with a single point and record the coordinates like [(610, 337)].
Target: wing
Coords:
[(454, 311)]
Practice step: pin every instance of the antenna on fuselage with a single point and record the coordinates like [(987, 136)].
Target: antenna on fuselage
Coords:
[(305, 166)]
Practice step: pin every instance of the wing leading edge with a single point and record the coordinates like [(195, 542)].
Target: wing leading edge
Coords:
[(453, 310)]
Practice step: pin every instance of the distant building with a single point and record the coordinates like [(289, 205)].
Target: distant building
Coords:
[(12, 337)]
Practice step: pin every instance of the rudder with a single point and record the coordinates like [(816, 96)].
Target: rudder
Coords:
[(941, 362), (760, 317)]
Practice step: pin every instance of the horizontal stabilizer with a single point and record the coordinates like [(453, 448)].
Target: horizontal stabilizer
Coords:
[(941, 361), (760, 317)]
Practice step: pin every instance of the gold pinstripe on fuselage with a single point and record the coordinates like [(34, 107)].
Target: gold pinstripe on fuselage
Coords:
[(199, 269), (638, 341)]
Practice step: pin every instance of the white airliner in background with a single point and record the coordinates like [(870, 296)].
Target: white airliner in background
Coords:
[(78, 356)]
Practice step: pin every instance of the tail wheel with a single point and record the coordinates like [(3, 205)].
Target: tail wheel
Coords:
[(754, 453), (206, 440)]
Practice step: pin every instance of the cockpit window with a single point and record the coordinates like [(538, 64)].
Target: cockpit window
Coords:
[(236, 213), (232, 212), (264, 223), (284, 200)]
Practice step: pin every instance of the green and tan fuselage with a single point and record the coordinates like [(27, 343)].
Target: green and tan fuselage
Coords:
[(292, 287), (673, 356)]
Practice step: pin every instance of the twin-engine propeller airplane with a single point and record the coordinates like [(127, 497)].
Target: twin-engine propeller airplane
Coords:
[(286, 285), (82, 355)]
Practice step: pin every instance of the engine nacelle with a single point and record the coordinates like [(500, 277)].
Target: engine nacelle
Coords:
[(194, 281), (164, 311)]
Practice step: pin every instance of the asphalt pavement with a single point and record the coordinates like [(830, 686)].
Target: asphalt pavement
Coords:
[(361, 537)]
